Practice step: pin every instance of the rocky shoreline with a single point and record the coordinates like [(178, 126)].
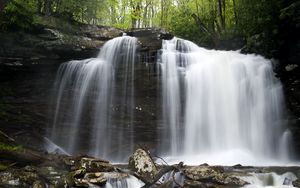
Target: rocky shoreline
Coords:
[(23, 167)]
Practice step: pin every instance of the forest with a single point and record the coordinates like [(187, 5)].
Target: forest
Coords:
[(203, 21)]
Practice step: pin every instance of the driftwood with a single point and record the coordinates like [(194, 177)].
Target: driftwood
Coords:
[(163, 171)]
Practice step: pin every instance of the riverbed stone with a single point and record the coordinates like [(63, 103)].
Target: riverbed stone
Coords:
[(17, 178), (212, 176), (197, 184), (201, 173), (38, 184), (96, 165), (79, 173), (141, 163), (296, 183)]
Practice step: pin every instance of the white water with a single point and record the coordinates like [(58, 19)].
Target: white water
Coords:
[(131, 182), (231, 106), (85, 102), (269, 180)]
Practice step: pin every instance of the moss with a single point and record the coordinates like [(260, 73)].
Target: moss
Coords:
[(8, 147), (54, 22), (4, 165)]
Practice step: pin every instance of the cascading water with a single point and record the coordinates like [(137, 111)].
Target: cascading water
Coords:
[(231, 106), (269, 180), (86, 102)]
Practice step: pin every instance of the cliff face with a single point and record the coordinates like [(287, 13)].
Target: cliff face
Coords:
[(28, 66)]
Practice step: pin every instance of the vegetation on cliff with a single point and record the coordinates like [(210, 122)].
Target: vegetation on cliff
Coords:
[(203, 21)]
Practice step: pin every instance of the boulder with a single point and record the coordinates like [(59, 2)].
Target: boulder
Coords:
[(211, 176), (95, 178), (296, 183), (18, 178), (201, 173), (96, 165), (38, 184), (141, 163), (197, 184)]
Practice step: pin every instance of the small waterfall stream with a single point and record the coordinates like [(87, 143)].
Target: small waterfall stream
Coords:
[(269, 180), (231, 106), (86, 102)]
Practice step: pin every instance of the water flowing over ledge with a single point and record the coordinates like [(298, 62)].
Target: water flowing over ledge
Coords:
[(218, 107), (221, 107), (85, 88)]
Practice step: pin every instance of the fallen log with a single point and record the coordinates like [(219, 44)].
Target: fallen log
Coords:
[(162, 172)]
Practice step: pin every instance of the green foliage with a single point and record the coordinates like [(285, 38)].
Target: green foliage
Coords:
[(202, 21), (17, 15)]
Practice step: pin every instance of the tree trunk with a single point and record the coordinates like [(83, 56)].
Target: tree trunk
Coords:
[(47, 7), (221, 13), (235, 13)]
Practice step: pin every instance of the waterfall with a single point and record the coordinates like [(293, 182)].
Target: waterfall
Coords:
[(86, 102), (269, 180), (220, 107)]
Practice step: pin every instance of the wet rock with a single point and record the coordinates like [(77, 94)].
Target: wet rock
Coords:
[(79, 173), (101, 32), (38, 184), (197, 184), (212, 176), (17, 178), (296, 183), (81, 183), (223, 179), (95, 178), (55, 177), (96, 165), (113, 175), (201, 173), (8, 179), (141, 163)]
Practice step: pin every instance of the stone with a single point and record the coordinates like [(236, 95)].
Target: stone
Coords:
[(96, 165), (223, 179), (296, 183), (200, 173), (290, 67), (94, 178), (38, 184), (141, 163), (112, 175), (81, 183), (8, 179), (79, 173), (197, 184), (18, 177), (214, 175), (98, 181)]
